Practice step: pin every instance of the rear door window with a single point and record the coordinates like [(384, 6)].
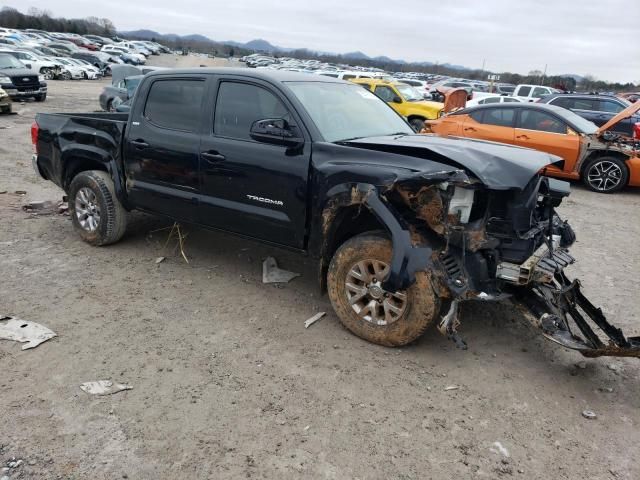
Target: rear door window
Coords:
[(524, 91), (240, 104), (501, 117), (175, 104), (584, 104), (541, 121)]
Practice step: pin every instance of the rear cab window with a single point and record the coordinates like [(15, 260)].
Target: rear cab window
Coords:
[(175, 104)]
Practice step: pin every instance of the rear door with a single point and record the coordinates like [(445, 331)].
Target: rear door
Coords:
[(494, 124), (253, 188), (545, 132), (162, 148)]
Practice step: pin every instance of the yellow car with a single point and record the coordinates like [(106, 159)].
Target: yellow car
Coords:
[(405, 100), (5, 102)]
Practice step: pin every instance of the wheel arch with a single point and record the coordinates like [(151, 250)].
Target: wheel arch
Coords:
[(81, 160), (359, 208), (602, 153)]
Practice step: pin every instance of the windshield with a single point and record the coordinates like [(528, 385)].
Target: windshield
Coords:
[(409, 93), (344, 112), (132, 83), (9, 61)]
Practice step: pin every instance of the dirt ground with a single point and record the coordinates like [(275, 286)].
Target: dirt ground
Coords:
[(227, 382)]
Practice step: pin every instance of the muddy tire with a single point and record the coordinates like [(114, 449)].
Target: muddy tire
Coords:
[(96, 212), (389, 319), (605, 174)]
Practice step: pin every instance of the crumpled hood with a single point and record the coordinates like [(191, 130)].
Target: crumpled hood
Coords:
[(498, 166)]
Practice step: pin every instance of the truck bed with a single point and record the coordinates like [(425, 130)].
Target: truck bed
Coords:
[(64, 137)]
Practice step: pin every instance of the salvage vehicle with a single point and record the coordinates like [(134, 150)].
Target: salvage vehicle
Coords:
[(47, 68), (405, 100), (405, 227), (5, 102), (118, 92), (604, 161), (598, 109), (20, 82)]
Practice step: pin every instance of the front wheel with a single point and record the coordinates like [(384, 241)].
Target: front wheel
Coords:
[(605, 174), (41, 98), (47, 73), (96, 212), (354, 281), (417, 124)]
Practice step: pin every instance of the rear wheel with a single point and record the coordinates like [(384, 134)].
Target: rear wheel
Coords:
[(605, 174), (354, 280), (96, 212)]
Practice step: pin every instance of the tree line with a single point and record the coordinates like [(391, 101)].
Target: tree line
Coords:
[(43, 20)]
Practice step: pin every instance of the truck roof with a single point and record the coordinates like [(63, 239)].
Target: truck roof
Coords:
[(270, 75)]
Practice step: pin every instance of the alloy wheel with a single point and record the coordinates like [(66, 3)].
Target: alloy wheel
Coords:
[(604, 176), (363, 287), (87, 209)]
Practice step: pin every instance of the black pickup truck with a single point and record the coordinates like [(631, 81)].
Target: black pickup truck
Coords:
[(404, 226)]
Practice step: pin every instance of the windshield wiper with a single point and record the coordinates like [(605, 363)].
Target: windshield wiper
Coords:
[(349, 139)]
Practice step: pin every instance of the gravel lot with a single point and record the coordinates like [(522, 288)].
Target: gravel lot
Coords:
[(227, 382)]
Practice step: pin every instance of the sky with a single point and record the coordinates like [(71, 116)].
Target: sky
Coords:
[(600, 38)]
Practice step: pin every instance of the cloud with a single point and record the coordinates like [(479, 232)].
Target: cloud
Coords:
[(569, 36)]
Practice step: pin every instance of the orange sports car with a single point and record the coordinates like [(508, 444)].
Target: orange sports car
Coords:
[(604, 161)]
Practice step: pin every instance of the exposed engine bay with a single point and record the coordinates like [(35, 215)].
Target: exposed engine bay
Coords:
[(488, 245)]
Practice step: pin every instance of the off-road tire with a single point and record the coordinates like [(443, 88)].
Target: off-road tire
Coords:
[(422, 308), (113, 216), (417, 124), (589, 166)]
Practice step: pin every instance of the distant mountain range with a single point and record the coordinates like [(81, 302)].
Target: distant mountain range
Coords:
[(261, 45)]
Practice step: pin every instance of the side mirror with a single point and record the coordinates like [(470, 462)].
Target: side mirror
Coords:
[(396, 99), (276, 131)]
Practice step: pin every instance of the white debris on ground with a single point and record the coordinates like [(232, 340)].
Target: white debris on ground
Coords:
[(30, 333), (314, 319), (499, 449), (272, 274), (104, 387)]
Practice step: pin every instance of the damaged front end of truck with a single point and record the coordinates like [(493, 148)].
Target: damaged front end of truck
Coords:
[(484, 239)]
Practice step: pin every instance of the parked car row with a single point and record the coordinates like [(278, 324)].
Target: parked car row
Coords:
[(62, 56)]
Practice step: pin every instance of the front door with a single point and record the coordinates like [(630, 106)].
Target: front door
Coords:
[(545, 132), (163, 145), (249, 187)]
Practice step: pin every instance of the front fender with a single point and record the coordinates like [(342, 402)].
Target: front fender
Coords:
[(406, 259)]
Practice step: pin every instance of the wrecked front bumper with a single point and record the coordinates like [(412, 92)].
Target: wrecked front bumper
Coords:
[(565, 316)]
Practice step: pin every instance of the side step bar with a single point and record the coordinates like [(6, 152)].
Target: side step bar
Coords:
[(554, 304)]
